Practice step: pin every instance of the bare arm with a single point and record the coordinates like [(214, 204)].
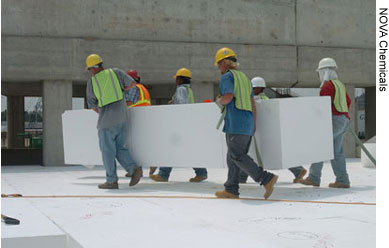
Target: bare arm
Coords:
[(227, 98), (95, 109)]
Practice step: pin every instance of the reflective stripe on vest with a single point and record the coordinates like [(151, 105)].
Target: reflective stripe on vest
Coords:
[(340, 100), (242, 91), (190, 95), (106, 87), (263, 96), (144, 97)]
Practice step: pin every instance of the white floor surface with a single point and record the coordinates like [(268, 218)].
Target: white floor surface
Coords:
[(314, 217)]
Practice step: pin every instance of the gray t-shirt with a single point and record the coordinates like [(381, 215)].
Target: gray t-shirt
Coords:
[(114, 113)]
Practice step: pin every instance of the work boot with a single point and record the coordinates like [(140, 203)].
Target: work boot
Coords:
[(152, 170), (128, 174), (158, 178), (339, 185), (106, 185), (197, 179), (270, 186), (308, 181), (300, 176), (138, 172), (226, 194)]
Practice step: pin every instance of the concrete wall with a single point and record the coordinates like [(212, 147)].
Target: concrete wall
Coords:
[(282, 40)]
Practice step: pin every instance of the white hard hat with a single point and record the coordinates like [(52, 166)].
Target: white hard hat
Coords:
[(326, 62), (258, 82)]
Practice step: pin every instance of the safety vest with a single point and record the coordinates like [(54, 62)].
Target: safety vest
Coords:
[(144, 97), (263, 96), (242, 91), (190, 95), (340, 100), (106, 87)]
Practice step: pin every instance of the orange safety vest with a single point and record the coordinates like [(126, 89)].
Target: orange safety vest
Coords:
[(144, 97)]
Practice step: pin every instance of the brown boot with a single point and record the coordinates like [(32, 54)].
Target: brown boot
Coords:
[(270, 186), (108, 185), (152, 170), (226, 194), (300, 176), (308, 181), (339, 185), (197, 179), (138, 172), (158, 178), (128, 174)]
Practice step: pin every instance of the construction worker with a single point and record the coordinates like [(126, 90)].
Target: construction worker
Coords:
[(183, 95), (239, 125), (340, 105), (105, 96), (259, 86), (137, 97)]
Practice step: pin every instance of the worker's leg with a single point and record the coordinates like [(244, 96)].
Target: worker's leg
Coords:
[(164, 172), (108, 151), (238, 147), (340, 125), (296, 170), (202, 172), (122, 153), (243, 177)]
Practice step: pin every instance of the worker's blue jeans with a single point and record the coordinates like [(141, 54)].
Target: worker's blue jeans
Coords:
[(164, 172), (340, 125), (113, 142), (237, 160)]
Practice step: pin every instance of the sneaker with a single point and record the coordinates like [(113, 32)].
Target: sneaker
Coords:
[(339, 185), (158, 178), (197, 179), (226, 194), (270, 186), (300, 176), (108, 185), (308, 181), (152, 170), (138, 172)]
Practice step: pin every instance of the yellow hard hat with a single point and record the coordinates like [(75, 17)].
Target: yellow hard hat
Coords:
[(224, 53), (93, 60), (183, 72)]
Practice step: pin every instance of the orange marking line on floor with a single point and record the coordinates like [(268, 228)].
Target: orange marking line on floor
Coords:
[(193, 197)]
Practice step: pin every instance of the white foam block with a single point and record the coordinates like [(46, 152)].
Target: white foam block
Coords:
[(294, 131), (371, 147), (177, 136), (290, 132)]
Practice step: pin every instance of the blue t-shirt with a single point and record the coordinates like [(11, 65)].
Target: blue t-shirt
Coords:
[(236, 121)]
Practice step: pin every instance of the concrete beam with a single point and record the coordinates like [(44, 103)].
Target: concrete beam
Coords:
[(355, 66), (57, 97), (21, 88), (242, 22)]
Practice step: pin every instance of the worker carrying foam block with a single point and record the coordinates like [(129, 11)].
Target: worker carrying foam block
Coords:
[(340, 105), (259, 85), (239, 125), (138, 96), (183, 95), (105, 96)]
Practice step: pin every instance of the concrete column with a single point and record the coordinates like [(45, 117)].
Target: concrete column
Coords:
[(349, 143), (203, 91), (370, 112), (57, 97), (15, 121)]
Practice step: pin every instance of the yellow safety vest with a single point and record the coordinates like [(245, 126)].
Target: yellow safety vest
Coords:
[(242, 91), (340, 100), (106, 87)]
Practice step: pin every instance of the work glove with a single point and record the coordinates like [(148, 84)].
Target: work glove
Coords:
[(218, 102)]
